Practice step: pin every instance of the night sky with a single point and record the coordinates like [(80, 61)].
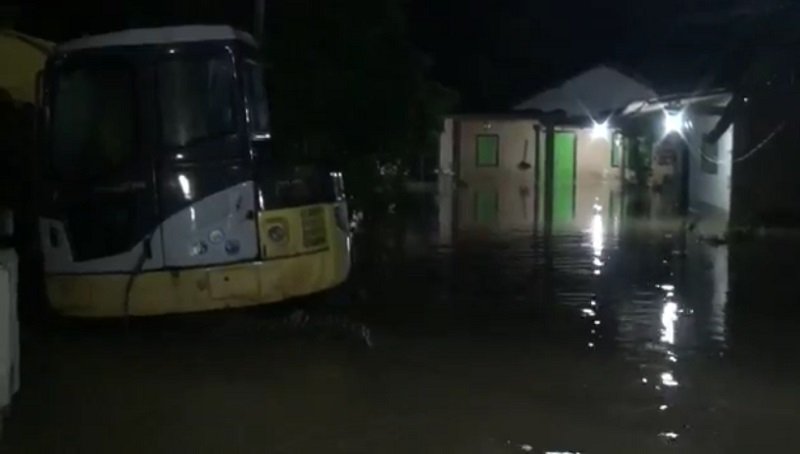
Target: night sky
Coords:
[(497, 52)]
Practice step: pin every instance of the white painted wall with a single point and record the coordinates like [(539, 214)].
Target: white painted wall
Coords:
[(594, 159), (513, 135), (446, 148), (707, 189), (594, 155), (515, 187), (595, 179)]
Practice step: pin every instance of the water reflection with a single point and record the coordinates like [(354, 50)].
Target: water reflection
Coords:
[(615, 266), (486, 333), (668, 318)]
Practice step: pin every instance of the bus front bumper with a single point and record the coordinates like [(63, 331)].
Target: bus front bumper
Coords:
[(198, 289)]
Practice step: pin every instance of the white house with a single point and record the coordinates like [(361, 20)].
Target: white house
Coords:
[(499, 161)]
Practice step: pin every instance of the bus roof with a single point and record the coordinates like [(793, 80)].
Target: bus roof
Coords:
[(162, 35)]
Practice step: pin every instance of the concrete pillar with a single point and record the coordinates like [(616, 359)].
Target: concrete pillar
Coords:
[(549, 159)]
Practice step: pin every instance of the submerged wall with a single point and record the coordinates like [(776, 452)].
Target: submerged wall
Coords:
[(506, 195), (595, 176), (709, 167), (594, 159), (498, 197)]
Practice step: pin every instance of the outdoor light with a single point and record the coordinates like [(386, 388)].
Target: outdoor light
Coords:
[(601, 131), (673, 122)]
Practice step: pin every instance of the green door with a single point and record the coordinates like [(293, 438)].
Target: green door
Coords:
[(564, 178), (486, 207)]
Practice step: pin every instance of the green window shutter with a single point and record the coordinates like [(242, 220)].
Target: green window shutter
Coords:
[(486, 207), (487, 148)]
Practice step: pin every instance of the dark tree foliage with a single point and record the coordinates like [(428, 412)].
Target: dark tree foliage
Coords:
[(347, 84)]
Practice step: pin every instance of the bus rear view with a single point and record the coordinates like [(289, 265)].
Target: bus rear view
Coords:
[(161, 193)]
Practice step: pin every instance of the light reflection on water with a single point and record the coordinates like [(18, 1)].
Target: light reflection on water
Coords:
[(622, 275), (668, 318)]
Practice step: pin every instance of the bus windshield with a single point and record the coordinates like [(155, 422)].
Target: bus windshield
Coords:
[(197, 99), (94, 125)]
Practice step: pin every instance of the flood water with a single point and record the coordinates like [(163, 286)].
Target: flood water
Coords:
[(468, 327)]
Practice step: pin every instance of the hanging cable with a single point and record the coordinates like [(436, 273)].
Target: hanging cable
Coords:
[(135, 272), (743, 157)]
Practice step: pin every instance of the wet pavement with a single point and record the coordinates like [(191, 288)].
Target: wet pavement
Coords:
[(468, 327)]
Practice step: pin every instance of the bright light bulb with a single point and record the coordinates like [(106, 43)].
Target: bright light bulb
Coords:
[(673, 122), (601, 131)]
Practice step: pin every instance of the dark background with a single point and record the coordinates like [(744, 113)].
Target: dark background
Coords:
[(362, 85), (495, 52)]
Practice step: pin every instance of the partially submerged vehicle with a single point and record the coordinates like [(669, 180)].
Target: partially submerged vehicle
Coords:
[(161, 190)]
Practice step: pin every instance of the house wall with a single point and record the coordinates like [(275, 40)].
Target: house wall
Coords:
[(765, 187), (594, 155), (595, 176), (594, 159), (515, 188), (446, 148), (446, 187), (709, 191), (512, 135), (512, 186)]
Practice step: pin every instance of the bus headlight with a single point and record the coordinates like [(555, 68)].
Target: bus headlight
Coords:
[(277, 234)]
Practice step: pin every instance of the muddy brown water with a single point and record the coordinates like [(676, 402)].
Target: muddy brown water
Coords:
[(460, 332)]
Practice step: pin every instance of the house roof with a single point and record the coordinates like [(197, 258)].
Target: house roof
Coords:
[(593, 93), (714, 98), (162, 35)]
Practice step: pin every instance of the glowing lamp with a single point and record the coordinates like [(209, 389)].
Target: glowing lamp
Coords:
[(673, 122), (601, 131)]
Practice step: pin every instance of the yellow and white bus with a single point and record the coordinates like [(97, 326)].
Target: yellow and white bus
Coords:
[(161, 192)]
